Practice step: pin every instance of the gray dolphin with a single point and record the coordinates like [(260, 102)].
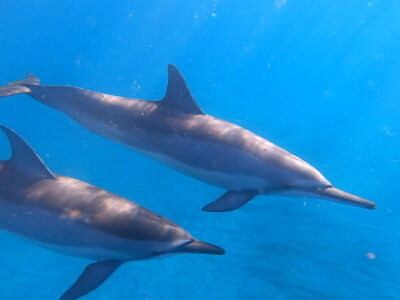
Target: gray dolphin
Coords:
[(75, 218), (178, 133)]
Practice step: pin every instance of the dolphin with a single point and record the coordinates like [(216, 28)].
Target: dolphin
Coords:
[(75, 218), (177, 132)]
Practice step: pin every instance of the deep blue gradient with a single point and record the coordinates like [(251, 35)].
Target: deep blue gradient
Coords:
[(319, 78)]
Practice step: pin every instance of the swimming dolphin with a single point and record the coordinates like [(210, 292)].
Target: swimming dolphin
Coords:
[(75, 218), (178, 133)]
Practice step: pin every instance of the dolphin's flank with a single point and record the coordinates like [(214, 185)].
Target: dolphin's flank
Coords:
[(177, 132), (75, 218)]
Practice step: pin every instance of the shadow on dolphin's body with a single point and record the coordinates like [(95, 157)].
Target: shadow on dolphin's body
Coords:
[(178, 133), (75, 218)]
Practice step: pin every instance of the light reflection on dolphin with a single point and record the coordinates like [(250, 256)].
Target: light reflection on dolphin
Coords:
[(178, 133), (75, 218)]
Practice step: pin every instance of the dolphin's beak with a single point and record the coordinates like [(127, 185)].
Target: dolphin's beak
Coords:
[(196, 246), (337, 195)]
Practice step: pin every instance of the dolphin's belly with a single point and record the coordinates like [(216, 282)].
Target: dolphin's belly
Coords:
[(194, 158), (207, 161), (225, 179), (70, 237)]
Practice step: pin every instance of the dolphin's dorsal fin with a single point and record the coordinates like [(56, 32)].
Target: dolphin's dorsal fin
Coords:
[(23, 159), (178, 96)]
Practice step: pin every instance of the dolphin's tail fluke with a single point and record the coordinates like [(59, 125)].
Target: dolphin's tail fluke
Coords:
[(337, 195), (197, 246), (19, 86)]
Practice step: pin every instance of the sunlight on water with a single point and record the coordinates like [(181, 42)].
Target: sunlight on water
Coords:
[(319, 79)]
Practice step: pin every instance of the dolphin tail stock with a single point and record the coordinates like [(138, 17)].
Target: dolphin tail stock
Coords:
[(337, 195), (19, 86)]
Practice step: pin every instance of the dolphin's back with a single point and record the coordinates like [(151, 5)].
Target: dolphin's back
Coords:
[(81, 202), (65, 212)]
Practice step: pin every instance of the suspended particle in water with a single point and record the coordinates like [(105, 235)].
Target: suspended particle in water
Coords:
[(371, 255), (279, 3)]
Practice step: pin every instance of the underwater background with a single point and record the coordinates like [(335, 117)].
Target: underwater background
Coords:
[(318, 78)]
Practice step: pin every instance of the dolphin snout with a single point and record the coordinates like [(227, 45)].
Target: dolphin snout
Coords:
[(196, 246), (334, 194)]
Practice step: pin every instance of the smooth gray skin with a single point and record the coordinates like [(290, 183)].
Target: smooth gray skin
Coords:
[(75, 218), (176, 132)]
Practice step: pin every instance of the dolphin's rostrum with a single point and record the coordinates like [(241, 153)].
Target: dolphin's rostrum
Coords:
[(75, 218), (178, 133)]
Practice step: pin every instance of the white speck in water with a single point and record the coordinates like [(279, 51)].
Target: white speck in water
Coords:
[(387, 130), (213, 15), (371, 255), (91, 22), (78, 61), (279, 3), (136, 85)]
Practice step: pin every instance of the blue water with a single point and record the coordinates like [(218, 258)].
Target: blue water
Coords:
[(319, 78)]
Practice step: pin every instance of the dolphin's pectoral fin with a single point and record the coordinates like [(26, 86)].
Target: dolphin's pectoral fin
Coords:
[(178, 96), (91, 278), (231, 200), (24, 159)]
